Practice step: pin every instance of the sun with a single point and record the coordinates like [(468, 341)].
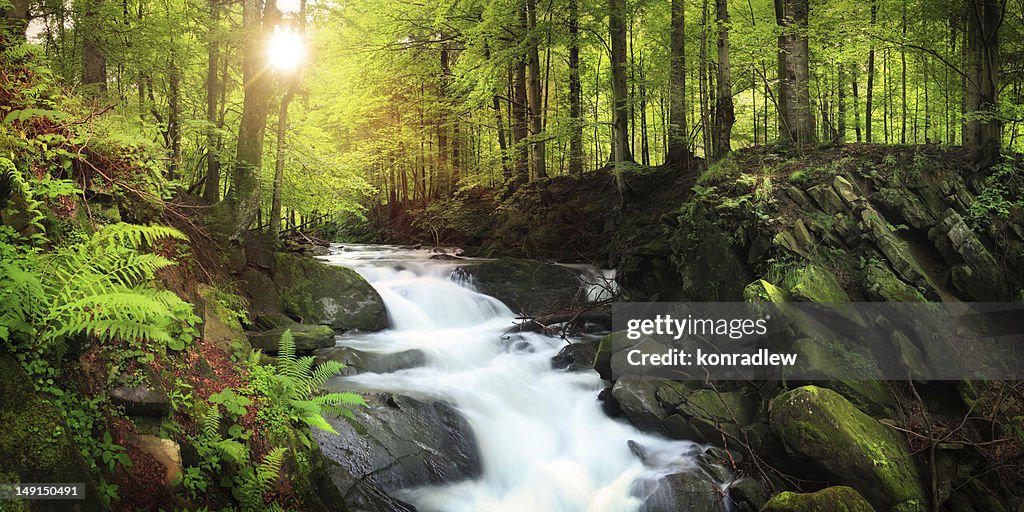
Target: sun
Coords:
[(286, 50)]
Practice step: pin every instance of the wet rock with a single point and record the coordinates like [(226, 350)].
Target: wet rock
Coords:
[(576, 357), (854, 448), (638, 399), (143, 398), (747, 495), (363, 361), (815, 284), (692, 491), (397, 442), (221, 326), (319, 293), (831, 499), (528, 286), (307, 338)]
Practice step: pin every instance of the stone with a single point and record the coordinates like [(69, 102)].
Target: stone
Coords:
[(528, 286), (852, 447), (692, 491), (307, 338), (319, 293), (147, 397), (827, 198), (763, 291), (220, 326), (881, 284), (638, 399), (747, 495), (815, 284), (397, 442), (848, 192), (576, 357), (261, 291), (166, 452), (357, 361), (36, 443), (830, 499)]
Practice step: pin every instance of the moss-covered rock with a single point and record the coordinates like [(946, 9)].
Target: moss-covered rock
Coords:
[(815, 284), (36, 443), (831, 499), (528, 286), (327, 294), (220, 325), (883, 285), (763, 291), (307, 338), (853, 447)]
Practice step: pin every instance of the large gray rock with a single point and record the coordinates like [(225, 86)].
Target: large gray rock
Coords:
[(326, 294), (394, 443), (307, 338), (357, 361), (528, 286), (690, 491)]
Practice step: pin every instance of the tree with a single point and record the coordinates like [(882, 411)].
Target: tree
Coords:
[(982, 128), (94, 59), (211, 187), (575, 92), (796, 124), (724, 113), (678, 137), (16, 17), (533, 94), (258, 20)]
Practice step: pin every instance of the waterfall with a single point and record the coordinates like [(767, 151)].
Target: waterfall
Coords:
[(544, 440)]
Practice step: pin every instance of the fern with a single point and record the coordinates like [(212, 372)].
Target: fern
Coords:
[(259, 481), (300, 382)]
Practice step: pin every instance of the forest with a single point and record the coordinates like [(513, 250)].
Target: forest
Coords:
[(364, 255)]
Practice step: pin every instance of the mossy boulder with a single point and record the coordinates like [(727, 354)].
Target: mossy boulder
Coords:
[(221, 325), (36, 444), (856, 449), (307, 338), (831, 499), (319, 293), (763, 291), (528, 286), (815, 284)]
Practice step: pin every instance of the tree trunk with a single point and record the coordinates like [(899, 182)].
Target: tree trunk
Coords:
[(869, 95), (620, 101), (17, 18), (840, 134), (245, 192), (282, 152), (575, 93), (678, 137), (94, 59), (856, 103), (534, 96), (211, 190), (174, 118), (520, 129), (982, 128), (703, 77), (724, 113), (903, 80), (796, 118)]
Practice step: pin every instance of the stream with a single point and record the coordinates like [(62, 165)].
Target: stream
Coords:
[(545, 443)]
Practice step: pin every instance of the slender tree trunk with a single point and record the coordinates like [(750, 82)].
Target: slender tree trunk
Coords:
[(211, 188), (903, 80), (870, 94), (520, 128), (620, 101), (840, 137), (533, 94), (856, 103), (575, 93), (245, 192), (678, 136), (282, 151), (705, 103), (796, 117), (724, 113), (174, 117)]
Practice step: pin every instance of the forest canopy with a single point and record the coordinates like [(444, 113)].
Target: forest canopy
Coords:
[(311, 108)]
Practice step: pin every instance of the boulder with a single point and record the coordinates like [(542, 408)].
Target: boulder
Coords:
[(307, 338), (142, 398), (638, 399), (831, 499), (397, 442), (528, 286), (220, 326), (854, 448), (763, 291), (815, 284), (576, 357), (692, 491), (36, 443), (166, 452), (261, 291), (319, 293), (362, 361)]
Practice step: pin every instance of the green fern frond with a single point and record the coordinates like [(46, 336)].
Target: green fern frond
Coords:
[(232, 450), (211, 423), (286, 350), (323, 372)]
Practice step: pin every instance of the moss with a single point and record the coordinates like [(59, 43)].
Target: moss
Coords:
[(763, 291), (719, 171), (831, 499), (815, 284), (35, 442), (327, 294), (855, 448)]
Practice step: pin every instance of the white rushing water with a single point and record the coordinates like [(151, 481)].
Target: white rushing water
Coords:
[(544, 441)]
